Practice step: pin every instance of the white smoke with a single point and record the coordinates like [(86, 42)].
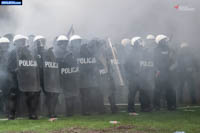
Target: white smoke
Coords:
[(114, 18)]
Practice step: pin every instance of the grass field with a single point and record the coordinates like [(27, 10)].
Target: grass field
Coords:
[(187, 120)]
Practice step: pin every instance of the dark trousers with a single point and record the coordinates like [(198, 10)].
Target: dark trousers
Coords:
[(146, 94), (69, 105), (112, 98), (164, 90), (51, 101), (85, 100), (112, 101), (144, 97), (145, 100), (13, 97), (133, 89), (3, 103), (32, 102)]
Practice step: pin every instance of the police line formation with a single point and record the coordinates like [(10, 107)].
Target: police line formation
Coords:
[(75, 67)]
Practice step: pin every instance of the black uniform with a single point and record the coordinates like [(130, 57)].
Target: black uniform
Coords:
[(135, 66), (187, 67), (163, 61), (69, 71), (25, 73)]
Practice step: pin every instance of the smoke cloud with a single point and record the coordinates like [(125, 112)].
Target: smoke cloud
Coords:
[(106, 18), (7, 20)]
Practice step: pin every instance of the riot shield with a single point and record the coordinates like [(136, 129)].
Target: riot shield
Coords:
[(51, 74), (27, 71), (69, 70)]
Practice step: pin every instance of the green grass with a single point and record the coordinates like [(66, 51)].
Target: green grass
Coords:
[(155, 122)]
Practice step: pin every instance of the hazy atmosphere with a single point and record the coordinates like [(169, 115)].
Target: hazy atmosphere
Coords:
[(100, 66), (105, 18)]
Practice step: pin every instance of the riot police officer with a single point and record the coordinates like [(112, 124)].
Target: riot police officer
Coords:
[(89, 74), (97, 96), (187, 67), (69, 71), (113, 77), (147, 74), (135, 67), (5, 79), (49, 74), (163, 62), (132, 72), (23, 67), (123, 53)]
